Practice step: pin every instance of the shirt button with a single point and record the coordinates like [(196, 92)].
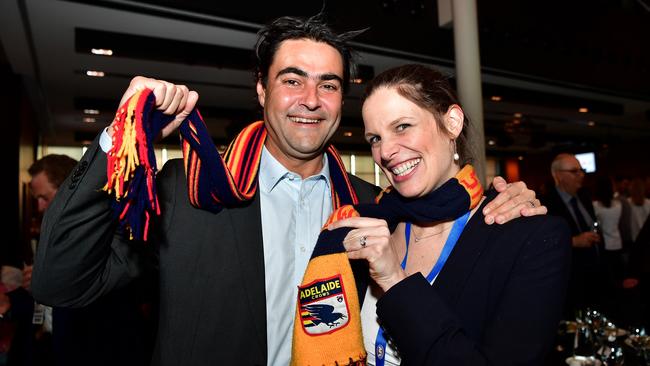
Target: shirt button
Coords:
[(302, 249)]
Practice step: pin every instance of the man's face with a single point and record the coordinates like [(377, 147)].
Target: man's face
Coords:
[(42, 190), (302, 100), (570, 175)]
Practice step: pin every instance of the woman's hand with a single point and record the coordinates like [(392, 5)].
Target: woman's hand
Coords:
[(514, 200), (371, 240)]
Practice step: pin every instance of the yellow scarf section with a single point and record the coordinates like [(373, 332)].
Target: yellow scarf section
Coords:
[(327, 330)]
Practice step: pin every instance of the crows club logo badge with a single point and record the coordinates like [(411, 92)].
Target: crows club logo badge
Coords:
[(323, 306)]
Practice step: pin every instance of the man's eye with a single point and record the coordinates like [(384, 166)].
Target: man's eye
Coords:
[(291, 82), (373, 139), (331, 87)]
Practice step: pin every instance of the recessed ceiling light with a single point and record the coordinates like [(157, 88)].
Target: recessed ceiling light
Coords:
[(518, 115), (583, 110), (520, 158), (91, 111), (102, 52), (89, 120), (94, 73), (347, 134), (491, 142), (496, 98), (591, 123)]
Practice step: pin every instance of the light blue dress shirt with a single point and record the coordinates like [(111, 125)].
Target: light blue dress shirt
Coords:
[(293, 212)]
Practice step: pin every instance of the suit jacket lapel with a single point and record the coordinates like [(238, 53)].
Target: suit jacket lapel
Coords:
[(247, 225)]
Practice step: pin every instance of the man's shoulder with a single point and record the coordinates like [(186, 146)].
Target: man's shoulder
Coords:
[(365, 191)]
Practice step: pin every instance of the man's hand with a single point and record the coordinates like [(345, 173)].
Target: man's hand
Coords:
[(585, 240), (514, 200), (171, 99)]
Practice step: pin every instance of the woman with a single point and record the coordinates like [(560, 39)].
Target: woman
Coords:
[(497, 291), (608, 214)]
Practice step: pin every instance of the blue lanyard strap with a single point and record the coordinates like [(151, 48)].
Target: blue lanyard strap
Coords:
[(456, 230)]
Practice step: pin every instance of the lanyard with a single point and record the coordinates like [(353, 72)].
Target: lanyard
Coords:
[(456, 230)]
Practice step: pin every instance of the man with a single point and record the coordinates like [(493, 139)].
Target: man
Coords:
[(228, 280), (568, 201), (61, 336), (32, 341)]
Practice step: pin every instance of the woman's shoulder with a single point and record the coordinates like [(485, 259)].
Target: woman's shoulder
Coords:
[(522, 227)]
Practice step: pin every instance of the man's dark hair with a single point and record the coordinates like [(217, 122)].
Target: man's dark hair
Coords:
[(56, 168), (313, 28)]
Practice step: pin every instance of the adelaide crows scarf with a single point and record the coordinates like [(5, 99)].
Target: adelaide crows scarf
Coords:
[(327, 324), (213, 181)]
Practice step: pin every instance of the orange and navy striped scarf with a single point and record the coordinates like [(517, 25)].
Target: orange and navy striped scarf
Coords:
[(327, 327), (213, 181)]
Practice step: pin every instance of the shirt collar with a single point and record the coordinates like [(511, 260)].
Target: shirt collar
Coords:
[(273, 172)]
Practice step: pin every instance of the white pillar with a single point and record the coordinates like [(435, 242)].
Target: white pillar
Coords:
[(468, 76)]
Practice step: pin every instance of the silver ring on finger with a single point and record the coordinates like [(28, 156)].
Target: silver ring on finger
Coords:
[(362, 241)]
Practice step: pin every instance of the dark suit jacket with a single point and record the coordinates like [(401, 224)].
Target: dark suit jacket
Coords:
[(497, 300), (210, 266), (582, 257), (556, 207)]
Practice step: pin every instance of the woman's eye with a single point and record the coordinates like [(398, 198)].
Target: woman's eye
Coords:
[(373, 139), (402, 127)]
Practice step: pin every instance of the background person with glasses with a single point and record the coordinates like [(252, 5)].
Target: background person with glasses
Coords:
[(569, 202)]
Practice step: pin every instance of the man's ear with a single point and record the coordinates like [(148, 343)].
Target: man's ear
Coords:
[(261, 92), (454, 120)]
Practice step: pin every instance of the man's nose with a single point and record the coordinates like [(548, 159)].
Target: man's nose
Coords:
[(42, 205), (310, 97)]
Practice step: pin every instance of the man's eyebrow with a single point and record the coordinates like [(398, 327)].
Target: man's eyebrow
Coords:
[(292, 70), (327, 77), (303, 73)]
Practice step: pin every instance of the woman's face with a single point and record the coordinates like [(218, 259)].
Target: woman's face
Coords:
[(407, 144)]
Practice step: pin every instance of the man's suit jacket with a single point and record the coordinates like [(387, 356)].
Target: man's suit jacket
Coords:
[(497, 301), (210, 266), (582, 257), (557, 207)]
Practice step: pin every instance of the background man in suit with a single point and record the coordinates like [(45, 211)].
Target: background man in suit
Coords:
[(228, 280), (568, 201), (32, 341), (62, 336)]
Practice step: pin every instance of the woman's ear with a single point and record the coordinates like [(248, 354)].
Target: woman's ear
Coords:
[(454, 120)]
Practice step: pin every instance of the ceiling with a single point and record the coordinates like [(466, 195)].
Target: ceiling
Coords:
[(545, 60)]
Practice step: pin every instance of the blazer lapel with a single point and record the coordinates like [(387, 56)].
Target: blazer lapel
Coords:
[(453, 276), (247, 225)]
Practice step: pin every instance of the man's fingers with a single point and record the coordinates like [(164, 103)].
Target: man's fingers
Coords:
[(167, 97), (184, 93), (175, 101), (499, 184), (512, 210), (192, 99)]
